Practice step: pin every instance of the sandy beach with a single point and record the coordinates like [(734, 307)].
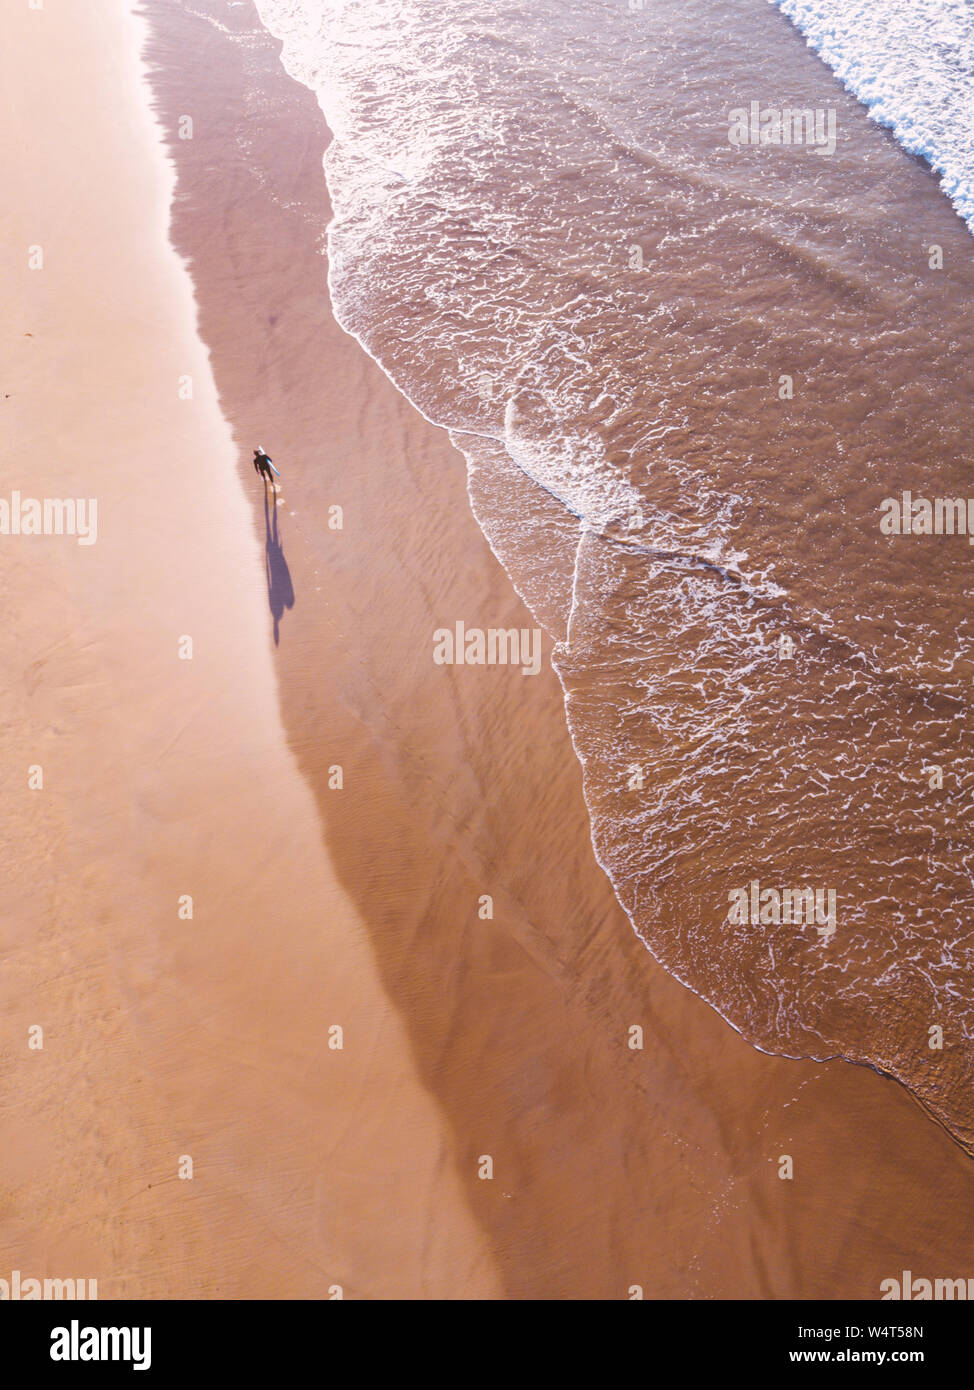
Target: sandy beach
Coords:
[(179, 317), (165, 777)]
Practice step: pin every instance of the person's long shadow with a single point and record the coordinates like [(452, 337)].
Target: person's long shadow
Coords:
[(280, 590)]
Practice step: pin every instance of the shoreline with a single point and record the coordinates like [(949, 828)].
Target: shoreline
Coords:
[(887, 1051), (555, 626), (476, 785), (508, 1037)]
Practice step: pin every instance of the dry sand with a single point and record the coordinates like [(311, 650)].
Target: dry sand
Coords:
[(463, 1037)]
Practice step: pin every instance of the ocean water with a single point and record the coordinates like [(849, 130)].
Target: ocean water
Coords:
[(912, 65), (685, 373)]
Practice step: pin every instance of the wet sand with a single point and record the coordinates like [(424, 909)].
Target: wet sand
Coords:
[(464, 1037)]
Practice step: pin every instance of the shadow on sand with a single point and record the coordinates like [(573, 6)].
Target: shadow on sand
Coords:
[(280, 590)]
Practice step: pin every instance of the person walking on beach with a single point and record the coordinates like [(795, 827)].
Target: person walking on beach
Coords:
[(263, 465)]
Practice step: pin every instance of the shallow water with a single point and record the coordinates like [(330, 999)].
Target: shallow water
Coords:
[(686, 373)]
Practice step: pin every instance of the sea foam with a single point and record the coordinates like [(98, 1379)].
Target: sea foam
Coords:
[(911, 62)]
